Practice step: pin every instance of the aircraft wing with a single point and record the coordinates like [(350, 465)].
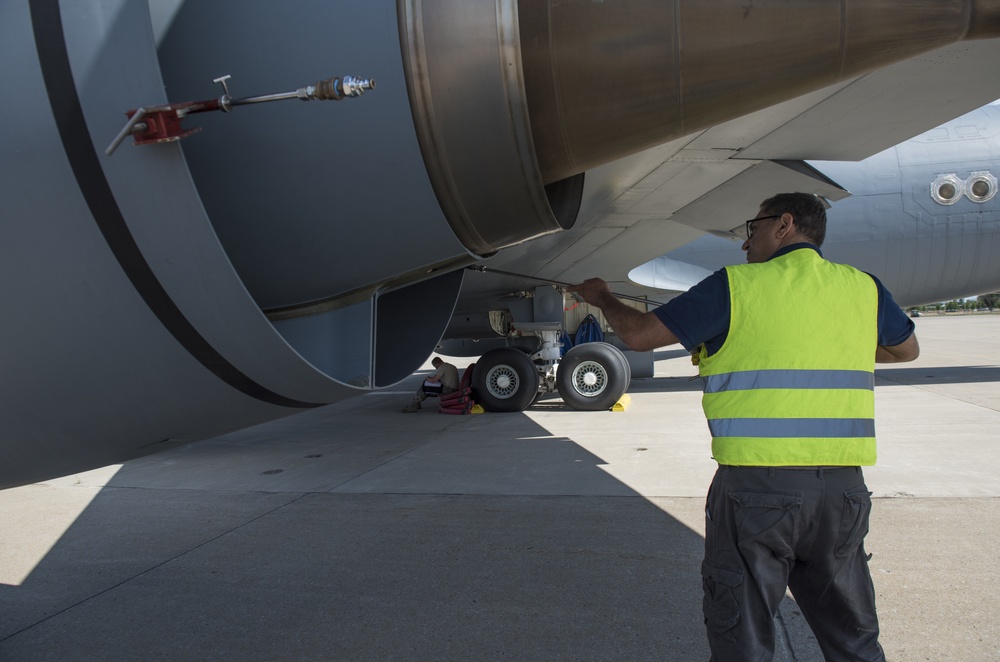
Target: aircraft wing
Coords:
[(645, 206)]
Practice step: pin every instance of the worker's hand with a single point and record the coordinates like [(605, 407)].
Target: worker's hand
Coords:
[(592, 290)]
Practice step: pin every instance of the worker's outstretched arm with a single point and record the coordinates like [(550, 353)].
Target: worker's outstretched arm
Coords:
[(905, 351), (640, 331)]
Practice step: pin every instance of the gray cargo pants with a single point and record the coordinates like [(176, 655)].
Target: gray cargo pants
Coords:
[(768, 528)]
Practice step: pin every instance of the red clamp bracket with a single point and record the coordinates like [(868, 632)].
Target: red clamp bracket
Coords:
[(161, 124)]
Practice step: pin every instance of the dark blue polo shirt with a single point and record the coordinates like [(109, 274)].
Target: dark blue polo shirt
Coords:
[(701, 315)]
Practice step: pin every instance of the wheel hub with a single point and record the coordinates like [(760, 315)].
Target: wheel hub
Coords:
[(502, 382), (590, 379)]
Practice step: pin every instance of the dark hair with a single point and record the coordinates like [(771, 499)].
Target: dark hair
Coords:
[(807, 210)]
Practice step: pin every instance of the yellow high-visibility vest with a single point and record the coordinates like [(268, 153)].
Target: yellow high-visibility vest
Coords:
[(794, 382)]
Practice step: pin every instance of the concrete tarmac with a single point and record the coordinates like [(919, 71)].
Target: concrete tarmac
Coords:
[(355, 532)]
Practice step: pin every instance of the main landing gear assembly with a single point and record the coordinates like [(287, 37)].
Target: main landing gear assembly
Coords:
[(590, 377)]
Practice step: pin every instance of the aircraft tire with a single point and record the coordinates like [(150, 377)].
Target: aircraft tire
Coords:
[(504, 380), (593, 376)]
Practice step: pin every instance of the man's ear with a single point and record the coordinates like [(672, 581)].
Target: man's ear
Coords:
[(786, 225)]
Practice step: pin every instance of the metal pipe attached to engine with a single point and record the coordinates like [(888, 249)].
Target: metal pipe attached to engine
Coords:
[(332, 89)]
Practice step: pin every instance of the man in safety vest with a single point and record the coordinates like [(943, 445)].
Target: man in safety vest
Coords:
[(787, 347)]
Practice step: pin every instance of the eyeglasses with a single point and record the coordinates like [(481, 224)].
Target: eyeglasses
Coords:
[(749, 224)]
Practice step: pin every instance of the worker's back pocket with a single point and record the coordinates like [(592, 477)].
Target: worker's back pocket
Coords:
[(854, 520), (765, 521)]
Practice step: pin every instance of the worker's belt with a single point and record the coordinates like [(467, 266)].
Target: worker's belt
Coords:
[(824, 468)]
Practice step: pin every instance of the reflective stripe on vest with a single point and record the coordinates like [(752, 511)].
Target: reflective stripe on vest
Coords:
[(751, 379), (792, 427)]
